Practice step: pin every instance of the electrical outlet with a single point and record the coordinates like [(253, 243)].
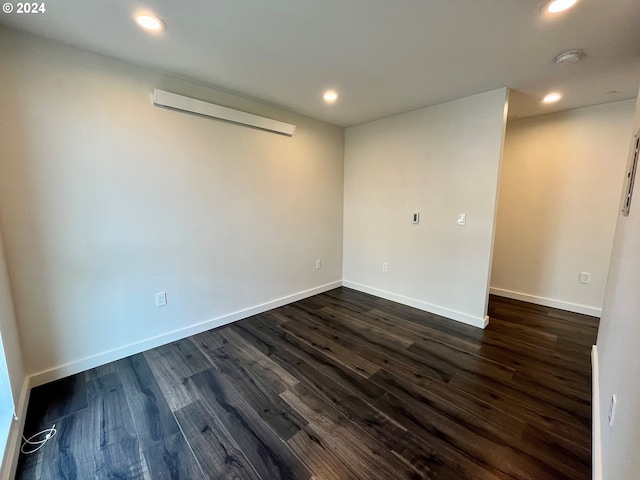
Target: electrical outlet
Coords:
[(318, 264), (385, 267), (585, 277), (161, 299)]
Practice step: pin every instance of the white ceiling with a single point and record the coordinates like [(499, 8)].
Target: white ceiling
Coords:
[(383, 56)]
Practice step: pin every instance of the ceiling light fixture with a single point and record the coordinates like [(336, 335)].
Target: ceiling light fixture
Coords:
[(150, 22), (330, 96), (552, 97), (572, 56), (557, 6)]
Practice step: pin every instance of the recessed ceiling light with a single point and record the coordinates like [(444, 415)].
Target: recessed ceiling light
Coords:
[(330, 96), (150, 22), (552, 97), (560, 5)]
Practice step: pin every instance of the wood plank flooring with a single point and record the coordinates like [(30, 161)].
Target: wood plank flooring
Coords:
[(338, 386)]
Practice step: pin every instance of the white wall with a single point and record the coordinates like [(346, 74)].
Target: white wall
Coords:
[(439, 161), (617, 348), (107, 199), (559, 193)]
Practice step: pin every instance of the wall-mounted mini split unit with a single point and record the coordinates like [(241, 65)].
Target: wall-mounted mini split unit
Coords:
[(187, 104)]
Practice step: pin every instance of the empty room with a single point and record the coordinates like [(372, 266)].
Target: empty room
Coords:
[(331, 240)]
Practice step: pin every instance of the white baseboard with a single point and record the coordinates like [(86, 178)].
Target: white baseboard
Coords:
[(8, 468), (547, 302), (12, 450), (480, 322), (93, 361), (596, 447)]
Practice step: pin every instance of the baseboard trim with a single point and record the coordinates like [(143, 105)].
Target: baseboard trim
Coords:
[(93, 361), (12, 450), (480, 322), (547, 302), (596, 446)]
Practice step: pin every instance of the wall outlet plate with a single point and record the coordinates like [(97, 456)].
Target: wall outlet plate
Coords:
[(585, 278), (161, 299)]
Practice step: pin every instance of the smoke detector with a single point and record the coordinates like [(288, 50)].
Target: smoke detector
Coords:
[(572, 56)]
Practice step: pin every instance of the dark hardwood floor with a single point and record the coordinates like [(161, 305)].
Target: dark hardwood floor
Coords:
[(338, 386)]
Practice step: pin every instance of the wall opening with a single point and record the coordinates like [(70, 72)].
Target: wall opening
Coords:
[(6, 400), (559, 196)]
